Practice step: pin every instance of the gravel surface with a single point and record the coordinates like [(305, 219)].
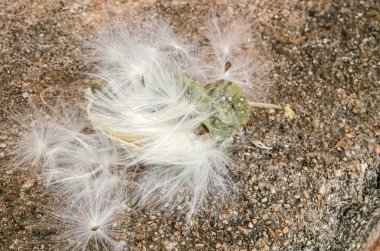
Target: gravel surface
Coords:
[(317, 188)]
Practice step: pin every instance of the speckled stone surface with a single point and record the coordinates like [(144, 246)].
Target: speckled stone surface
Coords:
[(318, 187)]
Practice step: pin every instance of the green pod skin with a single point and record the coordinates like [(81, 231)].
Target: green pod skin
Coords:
[(232, 110)]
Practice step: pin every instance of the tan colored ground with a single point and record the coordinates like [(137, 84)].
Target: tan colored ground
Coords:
[(317, 189)]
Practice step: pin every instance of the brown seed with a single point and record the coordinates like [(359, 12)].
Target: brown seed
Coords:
[(227, 66)]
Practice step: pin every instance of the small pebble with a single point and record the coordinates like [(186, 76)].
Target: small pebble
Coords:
[(28, 183), (25, 95), (285, 230)]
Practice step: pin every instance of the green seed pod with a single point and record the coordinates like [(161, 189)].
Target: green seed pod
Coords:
[(230, 104), (232, 109)]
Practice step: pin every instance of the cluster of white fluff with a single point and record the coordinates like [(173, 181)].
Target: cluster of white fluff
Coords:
[(141, 136)]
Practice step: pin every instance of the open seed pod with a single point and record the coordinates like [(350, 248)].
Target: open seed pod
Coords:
[(224, 102), (174, 108)]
